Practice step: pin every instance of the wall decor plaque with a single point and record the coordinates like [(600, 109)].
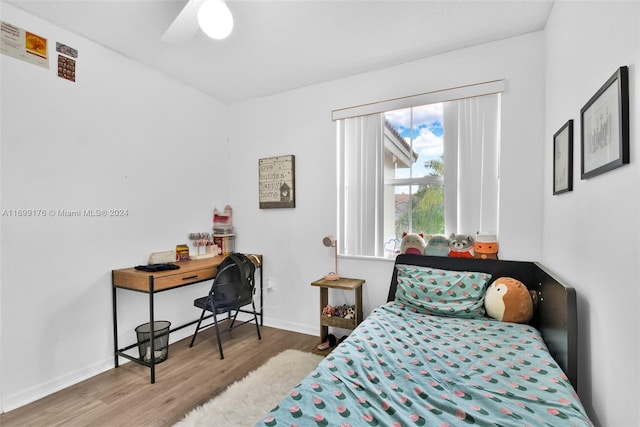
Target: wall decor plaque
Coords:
[(276, 177)]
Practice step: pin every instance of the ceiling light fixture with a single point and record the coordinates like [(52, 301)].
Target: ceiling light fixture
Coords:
[(215, 19)]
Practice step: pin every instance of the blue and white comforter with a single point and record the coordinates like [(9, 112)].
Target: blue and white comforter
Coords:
[(401, 368)]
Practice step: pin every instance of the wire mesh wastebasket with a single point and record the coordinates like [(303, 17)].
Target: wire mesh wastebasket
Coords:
[(160, 343)]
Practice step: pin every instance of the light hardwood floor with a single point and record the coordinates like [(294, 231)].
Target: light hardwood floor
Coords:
[(188, 378)]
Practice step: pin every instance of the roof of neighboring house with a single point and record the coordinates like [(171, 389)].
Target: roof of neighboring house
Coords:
[(402, 197), (399, 140)]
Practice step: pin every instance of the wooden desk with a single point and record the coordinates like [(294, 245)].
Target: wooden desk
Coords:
[(189, 273)]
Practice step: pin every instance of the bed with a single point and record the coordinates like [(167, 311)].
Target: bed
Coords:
[(405, 366)]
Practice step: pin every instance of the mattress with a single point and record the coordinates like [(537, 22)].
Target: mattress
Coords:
[(401, 368)]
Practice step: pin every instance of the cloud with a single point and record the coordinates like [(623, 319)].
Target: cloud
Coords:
[(428, 144), (423, 115)]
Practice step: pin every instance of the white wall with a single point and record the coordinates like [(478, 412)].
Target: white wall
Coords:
[(299, 123), (592, 235), (121, 136)]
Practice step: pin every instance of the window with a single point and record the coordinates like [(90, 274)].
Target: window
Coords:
[(428, 167), (414, 177)]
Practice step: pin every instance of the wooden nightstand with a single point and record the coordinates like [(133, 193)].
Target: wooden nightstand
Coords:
[(343, 283)]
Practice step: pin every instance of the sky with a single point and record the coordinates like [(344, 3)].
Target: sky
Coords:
[(427, 133)]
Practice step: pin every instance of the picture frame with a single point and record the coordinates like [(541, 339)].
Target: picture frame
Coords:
[(563, 159), (276, 181), (604, 127)]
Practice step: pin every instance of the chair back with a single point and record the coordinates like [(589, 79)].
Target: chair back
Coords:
[(234, 283)]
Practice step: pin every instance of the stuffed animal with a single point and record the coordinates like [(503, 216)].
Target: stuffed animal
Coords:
[(437, 245), (486, 246), (460, 246), (329, 311), (351, 314), (412, 243), (509, 300)]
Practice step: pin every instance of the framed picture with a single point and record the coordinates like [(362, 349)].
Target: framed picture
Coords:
[(563, 159), (604, 130), (277, 182)]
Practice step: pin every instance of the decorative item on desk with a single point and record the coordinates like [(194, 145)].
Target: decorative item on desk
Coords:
[(182, 253), (196, 240), (329, 242), (162, 257), (205, 240), (213, 249), (222, 221), (226, 242)]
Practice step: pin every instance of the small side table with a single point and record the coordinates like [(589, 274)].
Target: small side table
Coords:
[(343, 283)]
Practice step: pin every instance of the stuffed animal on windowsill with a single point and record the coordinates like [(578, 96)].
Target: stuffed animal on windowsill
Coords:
[(460, 246), (412, 243), (437, 245), (486, 246), (509, 300)]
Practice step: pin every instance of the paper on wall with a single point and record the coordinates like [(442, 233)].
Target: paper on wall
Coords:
[(24, 45)]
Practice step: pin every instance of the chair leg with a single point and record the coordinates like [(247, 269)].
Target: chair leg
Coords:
[(215, 321), (197, 328), (232, 321)]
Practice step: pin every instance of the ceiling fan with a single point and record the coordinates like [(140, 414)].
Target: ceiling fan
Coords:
[(212, 16)]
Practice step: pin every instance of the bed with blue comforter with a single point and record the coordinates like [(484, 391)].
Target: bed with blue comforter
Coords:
[(440, 363)]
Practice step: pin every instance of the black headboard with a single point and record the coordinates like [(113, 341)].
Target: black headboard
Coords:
[(555, 314)]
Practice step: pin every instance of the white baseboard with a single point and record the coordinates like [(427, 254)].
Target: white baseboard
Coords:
[(287, 326), (291, 326), (39, 391)]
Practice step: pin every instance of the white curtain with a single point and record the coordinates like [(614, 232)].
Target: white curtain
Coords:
[(471, 153), (360, 168)]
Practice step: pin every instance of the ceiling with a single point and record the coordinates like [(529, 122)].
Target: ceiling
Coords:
[(277, 46)]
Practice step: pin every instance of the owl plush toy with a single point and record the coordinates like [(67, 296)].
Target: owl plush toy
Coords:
[(508, 299)]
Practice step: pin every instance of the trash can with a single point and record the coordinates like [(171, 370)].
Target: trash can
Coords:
[(160, 343)]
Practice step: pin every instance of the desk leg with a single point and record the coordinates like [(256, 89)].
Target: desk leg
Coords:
[(261, 293), (152, 331), (115, 322)]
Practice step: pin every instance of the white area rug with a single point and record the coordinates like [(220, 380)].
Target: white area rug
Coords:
[(246, 401)]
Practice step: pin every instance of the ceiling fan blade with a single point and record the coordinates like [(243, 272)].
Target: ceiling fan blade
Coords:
[(185, 26)]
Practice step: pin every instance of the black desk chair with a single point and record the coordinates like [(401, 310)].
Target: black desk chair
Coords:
[(232, 289)]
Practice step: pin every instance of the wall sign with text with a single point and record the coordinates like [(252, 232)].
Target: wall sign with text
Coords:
[(277, 182)]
